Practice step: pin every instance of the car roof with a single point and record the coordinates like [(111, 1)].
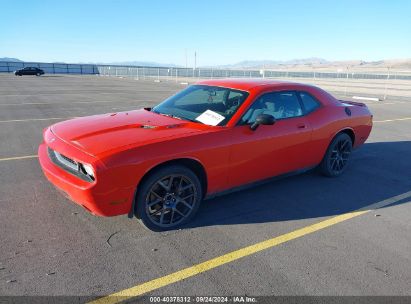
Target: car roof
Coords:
[(247, 84)]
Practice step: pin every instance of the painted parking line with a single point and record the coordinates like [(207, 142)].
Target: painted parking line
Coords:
[(71, 102), (366, 98), (385, 103), (36, 119), (18, 157), (94, 93), (391, 120), (183, 274)]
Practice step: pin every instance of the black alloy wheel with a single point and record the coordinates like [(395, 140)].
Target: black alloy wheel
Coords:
[(337, 156), (168, 198)]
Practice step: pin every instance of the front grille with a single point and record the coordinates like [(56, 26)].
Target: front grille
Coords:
[(67, 159), (68, 164)]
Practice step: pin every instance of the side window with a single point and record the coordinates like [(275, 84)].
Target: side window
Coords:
[(310, 103), (278, 104), (289, 105)]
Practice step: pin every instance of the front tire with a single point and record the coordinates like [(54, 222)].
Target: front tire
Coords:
[(168, 198), (336, 158)]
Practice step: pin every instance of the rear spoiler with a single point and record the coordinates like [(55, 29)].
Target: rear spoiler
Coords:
[(353, 103)]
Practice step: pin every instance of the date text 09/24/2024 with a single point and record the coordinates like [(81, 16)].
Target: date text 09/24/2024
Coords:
[(202, 299)]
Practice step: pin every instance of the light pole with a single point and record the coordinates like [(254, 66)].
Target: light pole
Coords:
[(346, 83), (386, 83)]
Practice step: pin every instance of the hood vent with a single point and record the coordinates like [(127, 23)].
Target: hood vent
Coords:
[(148, 127)]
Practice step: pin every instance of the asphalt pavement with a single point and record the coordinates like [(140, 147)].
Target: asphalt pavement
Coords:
[(51, 246)]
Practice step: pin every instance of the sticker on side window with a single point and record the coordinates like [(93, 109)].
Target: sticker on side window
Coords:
[(210, 118)]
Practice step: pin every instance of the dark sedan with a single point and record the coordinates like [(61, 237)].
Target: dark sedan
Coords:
[(29, 71)]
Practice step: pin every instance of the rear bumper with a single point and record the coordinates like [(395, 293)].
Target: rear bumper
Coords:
[(95, 196)]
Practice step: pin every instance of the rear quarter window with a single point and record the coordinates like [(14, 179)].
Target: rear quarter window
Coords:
[(309, 102)]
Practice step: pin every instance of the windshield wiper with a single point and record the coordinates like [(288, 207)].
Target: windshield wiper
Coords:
[(192, 120), (174, 116)]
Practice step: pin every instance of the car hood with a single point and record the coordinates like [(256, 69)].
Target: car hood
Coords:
[(101, 134)]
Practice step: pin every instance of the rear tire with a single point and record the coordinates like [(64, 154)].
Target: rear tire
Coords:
[(337, 157), (168, 198)]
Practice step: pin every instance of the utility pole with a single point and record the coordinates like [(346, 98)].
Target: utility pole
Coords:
[(195, 60)]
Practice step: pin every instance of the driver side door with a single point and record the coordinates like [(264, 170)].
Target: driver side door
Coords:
[(269, 150)]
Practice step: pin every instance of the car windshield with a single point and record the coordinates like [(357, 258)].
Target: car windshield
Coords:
[(210, 105)]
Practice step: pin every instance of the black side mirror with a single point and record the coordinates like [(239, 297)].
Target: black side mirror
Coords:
[(263, 119)]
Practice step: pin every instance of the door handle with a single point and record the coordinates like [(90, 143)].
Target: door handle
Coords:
[(301, 126)]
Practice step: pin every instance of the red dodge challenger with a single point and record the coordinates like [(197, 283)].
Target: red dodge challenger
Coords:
[(217, 135)]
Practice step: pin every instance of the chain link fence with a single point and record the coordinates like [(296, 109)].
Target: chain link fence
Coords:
[(210, 73), (204, 73), (50, 68)]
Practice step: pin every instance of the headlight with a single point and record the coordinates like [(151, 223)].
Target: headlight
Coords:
[(88, 169)]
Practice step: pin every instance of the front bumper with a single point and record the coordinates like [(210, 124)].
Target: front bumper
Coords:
[(101, 197)]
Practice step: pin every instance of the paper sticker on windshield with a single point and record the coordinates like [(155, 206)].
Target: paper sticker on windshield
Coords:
[(210, 118)]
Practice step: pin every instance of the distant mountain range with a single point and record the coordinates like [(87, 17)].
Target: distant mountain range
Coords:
[(319, 63), (130, 63), (141, 63), (295, 64), (276, 63), (10, 59)]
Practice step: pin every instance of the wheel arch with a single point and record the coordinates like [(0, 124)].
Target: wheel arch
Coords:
[(347, 130), (193, 164)]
